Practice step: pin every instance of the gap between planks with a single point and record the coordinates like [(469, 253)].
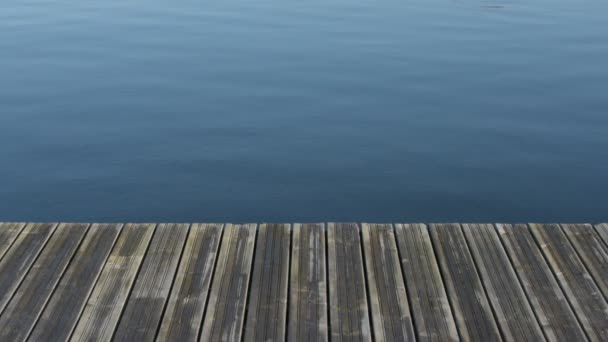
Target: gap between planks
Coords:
[(587, 244)]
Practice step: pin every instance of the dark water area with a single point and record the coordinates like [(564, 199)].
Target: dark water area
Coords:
[(421, 110)]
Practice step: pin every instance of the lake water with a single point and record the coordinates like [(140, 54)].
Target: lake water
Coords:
[(415, 110)]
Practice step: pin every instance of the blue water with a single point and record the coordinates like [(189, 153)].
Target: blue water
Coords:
[(283, 110)]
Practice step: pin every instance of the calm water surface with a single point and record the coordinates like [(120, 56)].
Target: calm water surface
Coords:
[(282, 110)]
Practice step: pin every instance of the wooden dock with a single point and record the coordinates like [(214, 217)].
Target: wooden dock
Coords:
[(303, 282)]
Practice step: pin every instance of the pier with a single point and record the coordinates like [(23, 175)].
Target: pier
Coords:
[(303, 282)]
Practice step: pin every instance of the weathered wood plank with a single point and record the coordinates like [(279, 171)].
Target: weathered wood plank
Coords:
[(511, 307), (470, 305), (602, 229), (267, 305), (29, 300), (141, 317), (8, 234), (428, 298), (308, 285), (347, 295), (104, 306), (67, 302), (20, 257), (547, 299), (184, 314), (591, 250), (445, 283), (226, 309), (391, 317), (578, 285)]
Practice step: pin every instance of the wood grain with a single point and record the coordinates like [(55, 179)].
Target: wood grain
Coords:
[(65, 306), (511, 307), (184, 314), (602, 230), (390, 309), (471, 308), (429, 300), (349, 282), (267, 306), (29, 300), (592, 251), (105, 304), (226, 309), (141, 316), (19, 258), (308, 284), (349, 315), (574, 279), (548, 301), (8, 234)]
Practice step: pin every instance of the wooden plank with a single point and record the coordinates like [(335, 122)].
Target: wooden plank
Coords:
[(143, 311), (184, 314), (578, 285), (308, 285), (104, 306), (390, 309), (428, 298), (226, 309), (267, 308), (347, 295), (29, 300), (65, 306), (8, 234), (511, 307), (602, 229), (512, 282), (472, 311), (20, 257), (592, 251), (547, 299)]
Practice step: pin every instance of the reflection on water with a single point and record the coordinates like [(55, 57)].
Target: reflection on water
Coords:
[(313, 110)]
